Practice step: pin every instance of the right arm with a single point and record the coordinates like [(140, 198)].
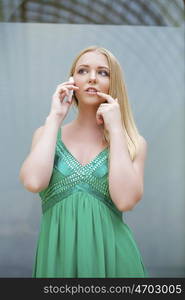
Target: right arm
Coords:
[(36, 170)]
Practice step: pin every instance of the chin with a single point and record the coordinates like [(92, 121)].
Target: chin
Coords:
[(89, 99)]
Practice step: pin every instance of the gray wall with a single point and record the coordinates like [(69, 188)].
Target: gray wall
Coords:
[(34, 59)]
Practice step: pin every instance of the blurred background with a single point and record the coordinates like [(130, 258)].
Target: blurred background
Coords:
[(39, 40), (118, 12)]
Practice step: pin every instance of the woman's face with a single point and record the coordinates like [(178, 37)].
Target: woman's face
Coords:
[(92, 74)]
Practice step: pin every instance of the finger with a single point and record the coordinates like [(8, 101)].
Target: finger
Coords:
[(103, 105), (62, 96), (70, 100), (64, 90), (71, 86), (61, 91), (100, 110), (68, 85), (107, 97)]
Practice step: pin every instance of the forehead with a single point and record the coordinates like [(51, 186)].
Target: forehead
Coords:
[(93, 57)]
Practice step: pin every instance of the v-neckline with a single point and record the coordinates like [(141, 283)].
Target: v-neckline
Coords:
[(74, 158)]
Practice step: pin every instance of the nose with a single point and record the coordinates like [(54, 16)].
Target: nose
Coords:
[(92, 76)]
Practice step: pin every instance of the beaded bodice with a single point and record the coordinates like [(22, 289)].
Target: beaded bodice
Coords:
[(69, 176)]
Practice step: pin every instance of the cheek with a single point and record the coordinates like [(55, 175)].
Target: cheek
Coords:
[(78, 81), (79, 84), (105, 86)]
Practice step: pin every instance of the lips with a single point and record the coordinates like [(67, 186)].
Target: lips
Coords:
[(91, 89)]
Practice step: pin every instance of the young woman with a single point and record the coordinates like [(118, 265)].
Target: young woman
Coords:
[(87, 173)]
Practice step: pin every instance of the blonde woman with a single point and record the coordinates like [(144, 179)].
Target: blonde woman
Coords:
[(87, 173)]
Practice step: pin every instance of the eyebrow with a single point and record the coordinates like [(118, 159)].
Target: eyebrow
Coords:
[(99, 67)]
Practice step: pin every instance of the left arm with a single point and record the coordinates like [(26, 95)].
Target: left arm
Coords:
[(125, 176)]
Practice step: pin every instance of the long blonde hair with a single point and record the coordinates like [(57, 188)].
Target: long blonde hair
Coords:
[(117, 89)]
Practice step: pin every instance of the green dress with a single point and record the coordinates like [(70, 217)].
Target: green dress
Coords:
[(82, 233)]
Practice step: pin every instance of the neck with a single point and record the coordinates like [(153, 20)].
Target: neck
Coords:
[(86, 119), (87, 124)]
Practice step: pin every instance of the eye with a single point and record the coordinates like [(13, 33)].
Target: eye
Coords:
[(104, 73), (81, 71)]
